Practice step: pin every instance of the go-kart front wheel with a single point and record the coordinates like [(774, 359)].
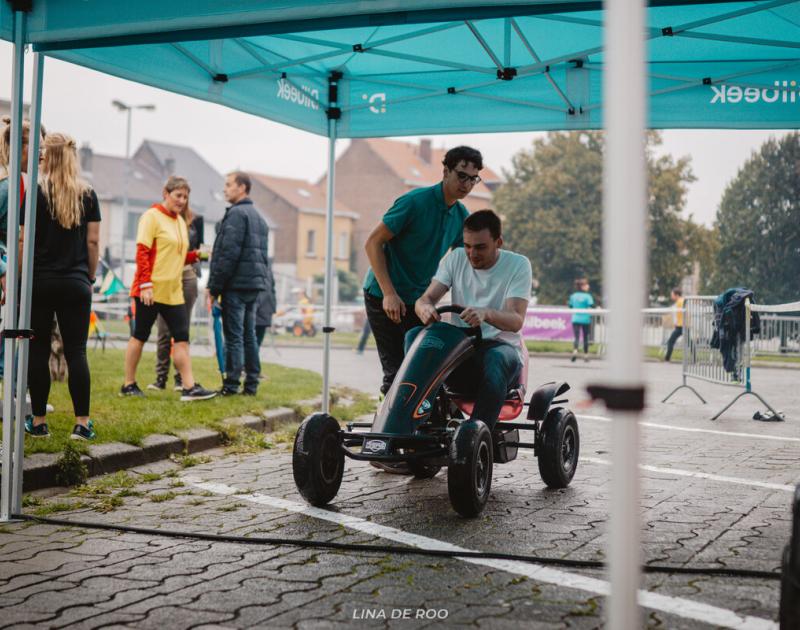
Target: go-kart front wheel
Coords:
[(469, 471), (559, 448), (317, 459)]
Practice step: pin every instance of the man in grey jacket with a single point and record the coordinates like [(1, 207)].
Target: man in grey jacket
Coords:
[(238, 273)]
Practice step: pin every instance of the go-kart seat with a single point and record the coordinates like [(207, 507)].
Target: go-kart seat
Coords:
[(515, 398)]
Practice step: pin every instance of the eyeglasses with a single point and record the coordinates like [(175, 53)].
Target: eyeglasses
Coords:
[(464, 177)]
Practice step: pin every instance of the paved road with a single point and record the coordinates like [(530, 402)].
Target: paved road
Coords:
[(714, 495)]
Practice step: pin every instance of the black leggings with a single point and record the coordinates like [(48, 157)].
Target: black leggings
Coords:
[(576, 330), (70, 300)]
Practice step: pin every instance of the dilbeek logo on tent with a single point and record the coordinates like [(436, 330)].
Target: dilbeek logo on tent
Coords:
[(784, 92)]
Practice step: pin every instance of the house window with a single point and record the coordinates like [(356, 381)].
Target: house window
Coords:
[(311, 245), (344, 241)]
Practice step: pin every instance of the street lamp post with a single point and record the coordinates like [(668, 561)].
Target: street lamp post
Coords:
[(128, 109)]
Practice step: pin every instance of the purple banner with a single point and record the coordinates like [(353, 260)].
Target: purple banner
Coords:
[(548, 326)]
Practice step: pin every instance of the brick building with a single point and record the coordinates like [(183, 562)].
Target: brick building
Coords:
[(372, 173)]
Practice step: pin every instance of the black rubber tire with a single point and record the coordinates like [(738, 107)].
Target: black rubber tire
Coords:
[(559, 448), (317, 459), (469, 471), (423, 470), (789, 615)]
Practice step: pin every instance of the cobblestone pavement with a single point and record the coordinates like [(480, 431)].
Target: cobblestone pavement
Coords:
[(718, 497)]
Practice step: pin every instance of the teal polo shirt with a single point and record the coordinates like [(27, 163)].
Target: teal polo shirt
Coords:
[(424, 229)]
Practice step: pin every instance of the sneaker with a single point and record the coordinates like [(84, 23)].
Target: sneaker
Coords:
[(36, 431), (158, 385), (574, 356), (228, 392), (249, 393), (198, 392), (395, 468), (178, 387), (80, 432), (131, 390)]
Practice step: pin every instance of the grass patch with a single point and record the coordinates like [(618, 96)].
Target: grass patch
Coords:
[(70, 470), (130, 420), (163, 496), (243, 440), (188, 461), (106, 485), (55, 507)]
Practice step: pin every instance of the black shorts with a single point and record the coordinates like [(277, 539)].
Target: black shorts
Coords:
[(173, 314)]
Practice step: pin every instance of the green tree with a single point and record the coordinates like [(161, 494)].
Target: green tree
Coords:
[(759, 224), (552, 203), (349, 285)]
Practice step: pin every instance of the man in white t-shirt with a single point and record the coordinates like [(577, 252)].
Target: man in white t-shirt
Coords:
[(494, 286)]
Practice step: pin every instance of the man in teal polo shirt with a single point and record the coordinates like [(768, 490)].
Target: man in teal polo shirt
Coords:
[(404, 251)]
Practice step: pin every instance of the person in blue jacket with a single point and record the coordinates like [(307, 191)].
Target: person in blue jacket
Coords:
[(581, 322)]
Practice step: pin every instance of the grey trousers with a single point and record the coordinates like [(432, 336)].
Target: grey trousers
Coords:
[(164, 343)]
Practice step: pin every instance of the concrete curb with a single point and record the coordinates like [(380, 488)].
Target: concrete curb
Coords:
[(39, 469)]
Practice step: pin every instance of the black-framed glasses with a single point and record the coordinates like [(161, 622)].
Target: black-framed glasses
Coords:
[(466, 178)]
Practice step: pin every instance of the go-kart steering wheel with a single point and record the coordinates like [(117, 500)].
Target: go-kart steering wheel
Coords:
[(472, 331)]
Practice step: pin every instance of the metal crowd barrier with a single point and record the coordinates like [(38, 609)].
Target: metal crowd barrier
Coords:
[(706, 363)]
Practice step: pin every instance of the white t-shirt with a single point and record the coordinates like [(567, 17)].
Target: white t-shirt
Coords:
[(509, 277)]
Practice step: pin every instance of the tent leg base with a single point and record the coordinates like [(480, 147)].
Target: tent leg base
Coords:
[(731, 403), (689, 387)]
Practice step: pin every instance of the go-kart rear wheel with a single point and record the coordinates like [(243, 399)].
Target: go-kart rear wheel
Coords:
[(317, 459), (789, 615), (469, 472), (559, 448)]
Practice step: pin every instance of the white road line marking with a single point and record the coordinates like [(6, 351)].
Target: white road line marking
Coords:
[(677, 606), (669, 427), (700, 475)]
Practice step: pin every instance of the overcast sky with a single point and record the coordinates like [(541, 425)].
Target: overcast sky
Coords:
[(78, 101)]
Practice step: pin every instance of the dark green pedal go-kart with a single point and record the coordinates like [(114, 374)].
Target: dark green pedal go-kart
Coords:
[(421, 422)]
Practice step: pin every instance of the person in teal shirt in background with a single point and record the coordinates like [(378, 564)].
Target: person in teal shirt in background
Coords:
[(581, 322), (404, 251)]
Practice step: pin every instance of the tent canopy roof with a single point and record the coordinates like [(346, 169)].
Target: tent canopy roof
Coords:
[(435, 66)]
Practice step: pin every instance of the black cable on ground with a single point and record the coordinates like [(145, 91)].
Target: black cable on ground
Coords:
[(441, 553)]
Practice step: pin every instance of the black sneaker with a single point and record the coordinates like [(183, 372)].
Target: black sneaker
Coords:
[(249, 393), (131, 390), (178, 387), (80, 432), (228, 392), (158, 385), (36, 431), (198, 392)]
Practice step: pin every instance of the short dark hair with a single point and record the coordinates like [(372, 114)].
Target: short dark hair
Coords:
[(677, 291), (242, 179), (484, 220), (456, 155)]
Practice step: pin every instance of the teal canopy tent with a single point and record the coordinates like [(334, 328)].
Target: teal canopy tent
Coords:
[(431, 66), (351, 68)]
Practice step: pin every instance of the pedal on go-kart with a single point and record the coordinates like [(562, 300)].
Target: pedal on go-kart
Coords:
[(421, 422)]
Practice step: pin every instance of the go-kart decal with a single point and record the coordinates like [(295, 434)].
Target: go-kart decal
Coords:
[(437, 381)]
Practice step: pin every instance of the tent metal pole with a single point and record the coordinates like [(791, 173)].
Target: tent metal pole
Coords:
[(27, 265), (12, 467), (333, 113), (624, 272)]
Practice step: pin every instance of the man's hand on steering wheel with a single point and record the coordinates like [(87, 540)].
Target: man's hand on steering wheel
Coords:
[(473, 315), (426, 312)]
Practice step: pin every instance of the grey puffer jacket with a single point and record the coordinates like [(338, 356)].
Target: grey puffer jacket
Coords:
[(239, 258)]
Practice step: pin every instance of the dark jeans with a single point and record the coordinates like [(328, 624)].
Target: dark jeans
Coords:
[(671, 341), (70, 300), (241, 348), (576, 330), (366, 331), (389, 336), (487, 375), (164, 343), (261, 332)]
